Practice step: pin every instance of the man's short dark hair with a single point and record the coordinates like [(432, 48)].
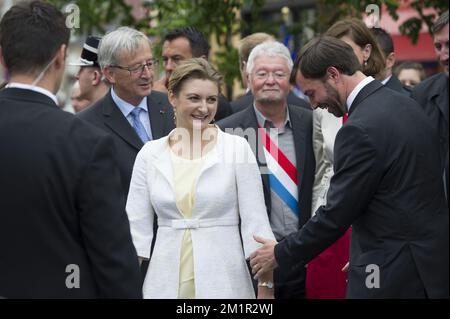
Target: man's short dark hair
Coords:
[(30, 35), (197, 40), (440, 23), (323, 52), (384, 40)]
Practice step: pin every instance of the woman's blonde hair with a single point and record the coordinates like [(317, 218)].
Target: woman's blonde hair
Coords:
[(197, 68)]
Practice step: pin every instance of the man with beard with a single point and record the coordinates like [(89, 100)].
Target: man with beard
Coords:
[(280, 136), (385, 185), (432, 94)]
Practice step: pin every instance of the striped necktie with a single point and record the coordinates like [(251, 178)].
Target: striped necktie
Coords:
[(282, 173)]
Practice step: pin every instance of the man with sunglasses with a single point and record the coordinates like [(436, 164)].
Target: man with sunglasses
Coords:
[(131, 112)]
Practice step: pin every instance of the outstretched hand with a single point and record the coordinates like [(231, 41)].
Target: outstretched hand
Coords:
[(263, 259)]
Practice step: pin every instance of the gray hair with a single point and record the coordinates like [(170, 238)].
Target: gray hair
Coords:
[(123, 40), (270, 48)]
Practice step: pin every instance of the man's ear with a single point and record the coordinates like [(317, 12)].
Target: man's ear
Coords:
[(97, 77), (390, 60), (60, 58), (2, 59), (109, 74), (333, 73)]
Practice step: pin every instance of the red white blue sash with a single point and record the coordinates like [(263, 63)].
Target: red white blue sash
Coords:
[(283, 174)]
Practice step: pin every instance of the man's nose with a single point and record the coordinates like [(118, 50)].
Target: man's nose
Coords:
[(170, 65), (147, 71)]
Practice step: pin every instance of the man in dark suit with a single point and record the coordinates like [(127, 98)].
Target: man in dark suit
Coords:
[(181, 44), (385, 185), (288, 176), (132, 113), (245, 47), (64, 232), (432, 94), (387, 46), (130, 71)]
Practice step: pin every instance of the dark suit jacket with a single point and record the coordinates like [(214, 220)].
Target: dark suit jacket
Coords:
[(293, 283), (61, 204), (247, 100), (106, 115), (432, 95), (223, 108), (386, 185), (395, 84)]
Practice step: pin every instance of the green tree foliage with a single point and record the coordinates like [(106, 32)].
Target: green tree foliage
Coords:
[(219, 20), (216, 19), (330, 11)]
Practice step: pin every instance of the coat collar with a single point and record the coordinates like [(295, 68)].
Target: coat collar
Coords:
[(438, 94), (27, 95), (161, 156), (364, 93)]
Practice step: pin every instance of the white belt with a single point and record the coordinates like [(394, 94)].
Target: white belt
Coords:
[(197, 223)]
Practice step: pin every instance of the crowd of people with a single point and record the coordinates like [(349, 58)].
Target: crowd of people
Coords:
[(165, 189)]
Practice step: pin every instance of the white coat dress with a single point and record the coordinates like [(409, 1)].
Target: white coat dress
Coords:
[(229, 202)]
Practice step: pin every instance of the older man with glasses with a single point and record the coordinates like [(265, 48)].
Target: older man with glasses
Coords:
[(131, 112), (280, 135)]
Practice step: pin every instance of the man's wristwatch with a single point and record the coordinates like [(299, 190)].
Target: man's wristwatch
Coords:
[(267, 284)]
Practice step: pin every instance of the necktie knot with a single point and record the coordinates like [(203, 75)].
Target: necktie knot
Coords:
[(135, 113)]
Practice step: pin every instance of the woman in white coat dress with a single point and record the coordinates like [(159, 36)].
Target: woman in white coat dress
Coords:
[(205, 188)]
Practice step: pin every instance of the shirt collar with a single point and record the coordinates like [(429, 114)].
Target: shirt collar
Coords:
[(386, 80), (264, 122), (33, 88), (357, 89), (126, 107)]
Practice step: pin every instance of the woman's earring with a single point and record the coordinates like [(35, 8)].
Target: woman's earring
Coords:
[(365, 63), (175, 116)]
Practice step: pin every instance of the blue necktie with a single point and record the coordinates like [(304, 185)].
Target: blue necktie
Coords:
[(137, 125)]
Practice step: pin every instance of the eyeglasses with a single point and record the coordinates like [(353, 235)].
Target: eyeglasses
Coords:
[(138, 69), (263, 75)]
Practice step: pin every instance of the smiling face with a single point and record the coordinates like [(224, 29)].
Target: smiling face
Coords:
[(195, 104), (322, 95), (269, 79), (132, 87)]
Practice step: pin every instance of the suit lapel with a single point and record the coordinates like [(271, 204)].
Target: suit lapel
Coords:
[(249, 121), (299, 131), (365, 92), (115, 120), (156, 113), (441, 99)]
